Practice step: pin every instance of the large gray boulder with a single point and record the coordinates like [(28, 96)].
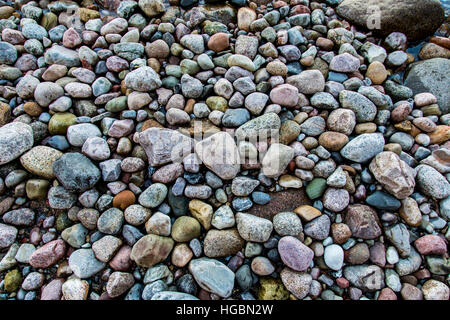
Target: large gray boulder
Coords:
[(416, 19), (433, 76)]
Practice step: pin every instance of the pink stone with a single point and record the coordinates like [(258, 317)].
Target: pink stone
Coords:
[(424, 99), (48, 254), (121, 128), (387, 294), (168, 173), (431, 244), (121, 261), (12, 36), (344, 63), (284, 95), (71, 38), (53, 290), (294, 253), (342, 283), (116, 64)]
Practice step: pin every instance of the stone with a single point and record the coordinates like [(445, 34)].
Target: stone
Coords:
[(435, 290), (220, 154), (431, 182), (362, 221), (363, 148), (298, 283), (400, 17), (394, 174), (15, 139), (143, 79), (222, 243), (84, 264), (294, 253), (365, 277), (430, 76), (307, 82), (76, 172), (213, 276), (153, 196), (185, 229), (253, 228), (151, 249), (48, 255), (276, 160)]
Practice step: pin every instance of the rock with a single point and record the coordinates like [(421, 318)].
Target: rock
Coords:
[(307, 82), (394, 16), (284, 95), (76, 172), (276, 160), (336, 200), (287, 224), (334, 257), (151, 249), (15, 139), (253, 228), (318, 228), (435, 290), (84, 264), (164, 145), (364, 109), (39, 161), (383, 201), (394, 174), (410, 212), (431, 76), (75, 289), (48, 254), (431, 244), (298, 283), (185, 229), (153, 196), (363, 148), (431, 182), (398, 235), (273, 289), (294, 253), (172, 295), (119, 283), (8, 235), (267, 125), (365, 277), (362, 221), (222, 243), (213, 276), (61, 55), (220, 154), (344, 63), (143, 79)]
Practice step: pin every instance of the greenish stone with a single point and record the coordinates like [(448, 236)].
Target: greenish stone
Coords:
[(62, 221), (217, 103), (212, 27), (272, 289), (173, 70), (269, 34), (431, 110), (13, 280), (59, 123), (170, 82), (189, 66), (185, 229), (438, 265), (222, 61), (36, 189), (117, 104), (49, 20), (316, 188)]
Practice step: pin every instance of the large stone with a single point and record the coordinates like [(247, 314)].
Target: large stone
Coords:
[(15, 139), (143, 79), (416, 19), (76, 172), (433, 76), (212, 276), (220, 154), (253, 228), (294, 253), (39, 161), (432, 183), (363, 221), (394, 174), (364, 147), (151, 249), (365, 277), (222, 243), (164, 145)]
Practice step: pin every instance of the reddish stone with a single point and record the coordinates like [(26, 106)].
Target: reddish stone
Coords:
[(294, 253), (219, 42), (387, 294), (342, 283), (53, 290), (48, 254), (363, 221), (71, 38), (121, 261), (124, 199), (116, 64), (431, 244), (168, 173)]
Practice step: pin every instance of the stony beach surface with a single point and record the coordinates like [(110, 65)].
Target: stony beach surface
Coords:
[(270, 150)]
